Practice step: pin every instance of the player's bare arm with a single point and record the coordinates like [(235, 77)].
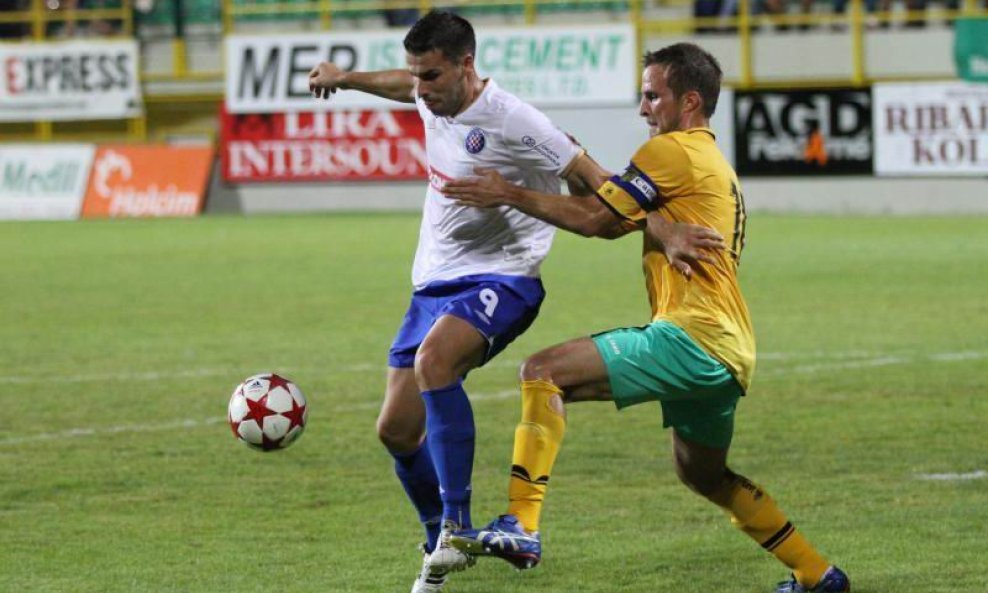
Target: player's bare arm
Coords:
[(584, 174), (685, 245), (397, 85), (582, 177), (583, 215)]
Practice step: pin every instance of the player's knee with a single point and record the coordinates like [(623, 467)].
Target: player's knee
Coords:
[(398, 435), (537, 367), (433, 370), (706, 484)]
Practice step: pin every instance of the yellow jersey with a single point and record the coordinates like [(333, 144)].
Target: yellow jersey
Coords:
[(685, 177)]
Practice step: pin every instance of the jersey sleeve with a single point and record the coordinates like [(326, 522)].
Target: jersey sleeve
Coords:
[(658, 171), (424, 112), (537, 143)]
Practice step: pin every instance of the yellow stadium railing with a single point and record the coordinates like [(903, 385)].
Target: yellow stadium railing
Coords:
[(38, 16), (746, 24), (328, 9)]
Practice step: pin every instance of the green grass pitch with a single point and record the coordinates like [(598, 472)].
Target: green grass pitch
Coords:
[(120, 342)]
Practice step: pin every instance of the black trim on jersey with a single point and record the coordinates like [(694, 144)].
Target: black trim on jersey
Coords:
[(614, 329), (740, 220)]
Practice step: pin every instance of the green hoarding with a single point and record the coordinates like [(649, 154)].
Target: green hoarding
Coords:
[(971, 48)]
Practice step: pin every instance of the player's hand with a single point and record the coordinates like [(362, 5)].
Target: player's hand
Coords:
[(685, 245), (325, 79), (487, 190)]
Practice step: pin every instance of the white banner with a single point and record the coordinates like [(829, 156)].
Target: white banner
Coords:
[(722, 124), (931, 129), (43, 181), (69, 81), (548, 66)]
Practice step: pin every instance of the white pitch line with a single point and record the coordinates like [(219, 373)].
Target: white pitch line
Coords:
[(202, 372), (73, 433), (191, 423), (817, 354), (122, 377), (953, 356), (975, 475), (853, 364), (877, 362), (131, 376)]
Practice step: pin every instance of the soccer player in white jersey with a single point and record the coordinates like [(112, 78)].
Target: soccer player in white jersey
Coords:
[(476, 271)]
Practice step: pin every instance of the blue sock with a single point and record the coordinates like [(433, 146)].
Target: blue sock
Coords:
[(418, 476), (450, 432)]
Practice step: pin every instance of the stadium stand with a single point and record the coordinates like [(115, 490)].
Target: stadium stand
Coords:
[(849, 42)]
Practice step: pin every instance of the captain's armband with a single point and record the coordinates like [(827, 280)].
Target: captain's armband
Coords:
[(639, 187)]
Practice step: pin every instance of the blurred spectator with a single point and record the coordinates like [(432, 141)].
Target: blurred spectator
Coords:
[(73, 27), (406, 17), (870, 6), (12, 30), (806, 9), (729, 8), (775, 8), (911, 6), (707, 9), (917, 5), (401, 17), (884, 8)]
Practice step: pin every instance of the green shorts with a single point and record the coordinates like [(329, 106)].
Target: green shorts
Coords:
[(660, 362)]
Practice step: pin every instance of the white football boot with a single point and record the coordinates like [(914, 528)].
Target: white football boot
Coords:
[(429, 581), (446, 558)]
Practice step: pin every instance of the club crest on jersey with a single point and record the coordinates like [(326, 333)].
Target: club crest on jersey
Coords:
[(475, 141)]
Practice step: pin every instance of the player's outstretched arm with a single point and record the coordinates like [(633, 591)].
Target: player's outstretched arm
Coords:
[(583, 215), (397, 85), (583, 177)]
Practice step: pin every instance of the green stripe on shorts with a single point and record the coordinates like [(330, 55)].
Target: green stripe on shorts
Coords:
[(660, 362)]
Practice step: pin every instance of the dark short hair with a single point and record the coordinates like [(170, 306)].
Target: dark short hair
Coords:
[(442, 30), (691, 68)]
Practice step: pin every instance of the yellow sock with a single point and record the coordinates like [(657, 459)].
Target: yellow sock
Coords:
[(754, 512), (537, 440)]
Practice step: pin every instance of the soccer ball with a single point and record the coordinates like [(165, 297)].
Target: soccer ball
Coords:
[(267, 412)]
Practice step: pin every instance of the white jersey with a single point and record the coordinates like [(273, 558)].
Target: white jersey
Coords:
[(498, 131)]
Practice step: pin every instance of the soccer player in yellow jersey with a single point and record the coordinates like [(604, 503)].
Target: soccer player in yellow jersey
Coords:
[(697, 355)]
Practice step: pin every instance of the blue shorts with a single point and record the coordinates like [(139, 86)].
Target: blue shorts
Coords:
[(500, 307)]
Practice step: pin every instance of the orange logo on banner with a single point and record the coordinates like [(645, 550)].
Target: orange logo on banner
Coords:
[(147, 181), (816, 149)]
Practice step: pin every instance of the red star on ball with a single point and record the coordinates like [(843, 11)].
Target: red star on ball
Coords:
[(278, 381), (269, 445), (258, 411), (296, 415), (234, 425)]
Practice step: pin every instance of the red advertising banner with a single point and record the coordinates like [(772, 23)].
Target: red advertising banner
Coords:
[(148, 181), (328, 146)]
